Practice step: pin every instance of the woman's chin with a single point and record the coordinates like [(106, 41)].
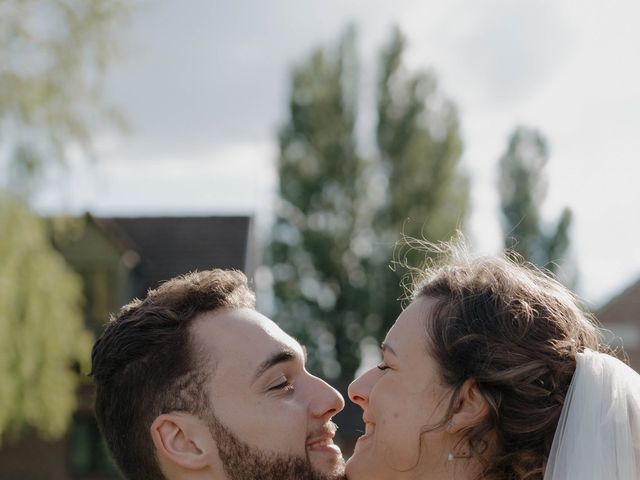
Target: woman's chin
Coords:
[(358, 468)]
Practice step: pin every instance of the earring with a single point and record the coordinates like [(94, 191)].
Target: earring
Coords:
[(455, 456)]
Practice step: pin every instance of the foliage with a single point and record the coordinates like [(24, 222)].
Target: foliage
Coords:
[(420, 147), (42, 335), (320, 281), (523, 188), (52, 57), (340, 211), (53, 54)]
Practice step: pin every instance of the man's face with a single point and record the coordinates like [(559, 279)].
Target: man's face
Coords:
[(268, 409)]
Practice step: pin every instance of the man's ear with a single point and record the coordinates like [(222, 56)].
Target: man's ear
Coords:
[(184, 440), (472, 407)]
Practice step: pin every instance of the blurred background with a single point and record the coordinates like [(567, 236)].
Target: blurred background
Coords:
[(296, 141)]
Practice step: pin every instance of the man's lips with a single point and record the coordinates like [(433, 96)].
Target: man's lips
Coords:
[(322, 439), (320, 443)]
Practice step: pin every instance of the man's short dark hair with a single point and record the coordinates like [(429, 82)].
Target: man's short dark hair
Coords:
[(145, 363)]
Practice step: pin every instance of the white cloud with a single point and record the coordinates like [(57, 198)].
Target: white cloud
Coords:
[(494, 53)]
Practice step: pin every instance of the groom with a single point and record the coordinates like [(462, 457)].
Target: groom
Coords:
[(193, 383)]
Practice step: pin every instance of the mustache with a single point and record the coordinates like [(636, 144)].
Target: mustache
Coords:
[(328, 428)]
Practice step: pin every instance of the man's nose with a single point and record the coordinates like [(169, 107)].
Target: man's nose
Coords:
[(326, 400)]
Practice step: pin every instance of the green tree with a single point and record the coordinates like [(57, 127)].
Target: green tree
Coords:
[(341, 212), (419, 141), (523, 188), (53, 54), (319, 279), (42, 336)]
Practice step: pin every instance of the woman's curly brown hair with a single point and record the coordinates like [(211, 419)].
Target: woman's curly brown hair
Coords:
[(514, 330)]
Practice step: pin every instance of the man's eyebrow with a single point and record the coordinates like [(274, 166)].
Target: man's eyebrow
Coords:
[(387, 348), (285, 355)]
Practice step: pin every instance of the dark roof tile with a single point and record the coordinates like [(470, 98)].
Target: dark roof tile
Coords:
[(170, 246), (623, 308)]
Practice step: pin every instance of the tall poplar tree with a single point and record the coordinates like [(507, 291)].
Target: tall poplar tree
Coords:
[(319, 281), (523, 188), (418, 136), (340, 212)]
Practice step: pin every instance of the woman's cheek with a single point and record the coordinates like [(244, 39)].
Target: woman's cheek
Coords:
[(400, 439)]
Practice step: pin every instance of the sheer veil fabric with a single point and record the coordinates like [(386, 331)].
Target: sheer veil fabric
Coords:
[(598, 434)]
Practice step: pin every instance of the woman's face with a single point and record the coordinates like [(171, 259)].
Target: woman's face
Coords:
[(400, 399)]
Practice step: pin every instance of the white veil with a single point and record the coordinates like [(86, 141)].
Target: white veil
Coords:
[(598, 434)]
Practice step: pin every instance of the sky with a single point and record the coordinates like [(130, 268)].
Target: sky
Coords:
[(204, 85)]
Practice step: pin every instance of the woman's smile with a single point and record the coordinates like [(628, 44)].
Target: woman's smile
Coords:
[(369, 428)]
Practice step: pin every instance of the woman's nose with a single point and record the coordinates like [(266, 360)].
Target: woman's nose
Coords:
[(359, 389)]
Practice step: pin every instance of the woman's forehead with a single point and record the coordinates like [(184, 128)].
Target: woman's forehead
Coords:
[(409, 330)]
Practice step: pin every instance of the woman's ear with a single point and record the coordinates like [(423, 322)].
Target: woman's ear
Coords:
[(472, 407), (183, 440)]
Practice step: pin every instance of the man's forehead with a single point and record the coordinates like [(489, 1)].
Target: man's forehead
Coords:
[(241, 334)]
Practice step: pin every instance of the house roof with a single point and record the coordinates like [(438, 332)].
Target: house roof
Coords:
[(624, 308), (170, 246)]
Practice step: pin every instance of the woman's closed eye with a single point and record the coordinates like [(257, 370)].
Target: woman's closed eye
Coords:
[(383, 366)]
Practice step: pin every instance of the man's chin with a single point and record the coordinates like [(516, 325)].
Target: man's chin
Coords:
[(244, 462), (329, 463)]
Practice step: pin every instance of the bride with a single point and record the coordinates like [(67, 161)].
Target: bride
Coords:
[(494, 372)]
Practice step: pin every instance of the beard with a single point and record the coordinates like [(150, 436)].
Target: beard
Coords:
[(244, 462)]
